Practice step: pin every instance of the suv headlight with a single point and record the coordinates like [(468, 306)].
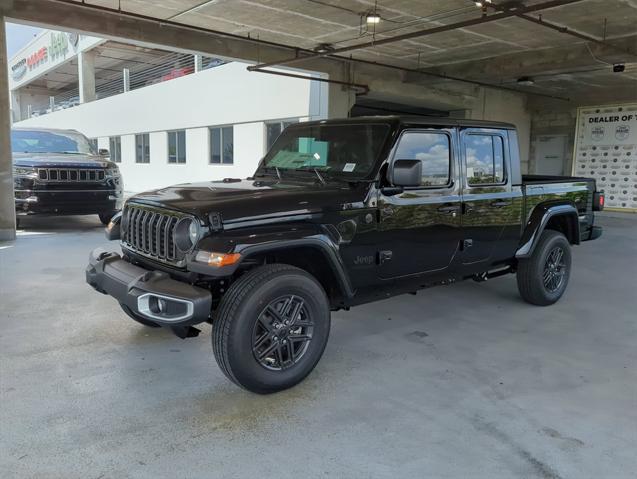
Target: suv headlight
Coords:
[(187, 234), (112, 171), (24, 171)]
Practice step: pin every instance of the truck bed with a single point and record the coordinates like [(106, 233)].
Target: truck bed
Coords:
[(537, 179)]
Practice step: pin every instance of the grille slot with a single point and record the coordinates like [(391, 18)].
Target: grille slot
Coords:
[(71, 175), (149, 231)]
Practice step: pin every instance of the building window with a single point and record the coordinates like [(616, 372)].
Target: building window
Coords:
[(432, 149), (177, 146), (142, 148), (93, 143), (115, 148), (222, 145), (485, 159), (274, 129)]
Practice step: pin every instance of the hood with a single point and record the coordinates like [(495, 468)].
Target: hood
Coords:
[(52, 160), (251, 200)]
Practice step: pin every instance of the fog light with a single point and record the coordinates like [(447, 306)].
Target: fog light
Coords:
[(217, 259)]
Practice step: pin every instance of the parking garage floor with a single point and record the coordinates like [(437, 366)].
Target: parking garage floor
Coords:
[(457, 382)]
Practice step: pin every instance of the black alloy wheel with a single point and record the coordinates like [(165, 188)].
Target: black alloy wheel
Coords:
[(554, 270), (282, 333), (271, 327), (543, 277)]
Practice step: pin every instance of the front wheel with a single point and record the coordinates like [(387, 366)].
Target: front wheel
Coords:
[(542, 278), (271, 328), (105, 217)]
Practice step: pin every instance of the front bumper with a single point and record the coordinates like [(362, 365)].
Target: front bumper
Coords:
[(145, 291), (29, 202)]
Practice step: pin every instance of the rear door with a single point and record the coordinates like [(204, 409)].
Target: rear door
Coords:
[(420, 228), (491, 207)]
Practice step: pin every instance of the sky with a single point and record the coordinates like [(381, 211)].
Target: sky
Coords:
[(18, 36)]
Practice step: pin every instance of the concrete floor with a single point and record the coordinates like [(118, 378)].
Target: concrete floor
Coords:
[(457, 382)]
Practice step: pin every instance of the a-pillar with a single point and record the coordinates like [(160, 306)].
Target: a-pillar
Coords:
[(86, 73), (7, 202)]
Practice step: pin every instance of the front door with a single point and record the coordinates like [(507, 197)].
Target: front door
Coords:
[(420, 228)]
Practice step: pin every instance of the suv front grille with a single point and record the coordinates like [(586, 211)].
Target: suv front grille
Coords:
[(70, 175), (149, 231)]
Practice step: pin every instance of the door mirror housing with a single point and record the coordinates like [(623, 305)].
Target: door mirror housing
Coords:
[(404, 173), (103, 152)]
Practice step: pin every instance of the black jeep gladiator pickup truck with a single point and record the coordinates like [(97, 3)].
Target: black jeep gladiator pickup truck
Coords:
[(59, 172), (340, 213)]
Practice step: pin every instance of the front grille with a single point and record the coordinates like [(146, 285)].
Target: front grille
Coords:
[(149, 231), (71, 174)]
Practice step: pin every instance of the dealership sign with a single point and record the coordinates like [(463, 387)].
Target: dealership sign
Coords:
[(606, 150), (19, 69), (46, 50)]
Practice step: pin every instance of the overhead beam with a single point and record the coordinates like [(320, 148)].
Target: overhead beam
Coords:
[(422, 33), (562, 59)]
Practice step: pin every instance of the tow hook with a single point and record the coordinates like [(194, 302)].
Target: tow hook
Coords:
[(185, 331)]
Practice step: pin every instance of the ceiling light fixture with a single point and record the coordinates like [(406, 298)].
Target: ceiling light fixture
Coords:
[(372, 18)]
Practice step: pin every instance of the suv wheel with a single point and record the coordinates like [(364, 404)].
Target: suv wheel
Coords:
[(105, 217), (542, 278), (271, 328), (139, 319)]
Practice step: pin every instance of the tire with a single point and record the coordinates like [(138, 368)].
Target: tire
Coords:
[(105, 217), (250, 321), (543, 277), (141, 320)]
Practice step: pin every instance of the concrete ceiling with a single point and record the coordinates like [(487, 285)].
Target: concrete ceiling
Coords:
[(498, 52)]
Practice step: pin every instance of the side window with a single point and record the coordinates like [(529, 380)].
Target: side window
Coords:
[(485, 159), (142, 148), (115, 148), (177, 146), (433, 150)]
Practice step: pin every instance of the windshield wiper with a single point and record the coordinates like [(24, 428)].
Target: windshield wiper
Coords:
[(315, 170)]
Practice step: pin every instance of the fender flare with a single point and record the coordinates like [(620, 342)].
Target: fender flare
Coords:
[(322, 244), (538, 220)]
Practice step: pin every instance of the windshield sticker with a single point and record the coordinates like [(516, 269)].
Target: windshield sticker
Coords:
[(349, 167), (317, 157)]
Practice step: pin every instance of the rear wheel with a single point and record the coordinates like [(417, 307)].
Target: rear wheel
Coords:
[(271, 328), (105, 217), (138, 318), (543, 278)]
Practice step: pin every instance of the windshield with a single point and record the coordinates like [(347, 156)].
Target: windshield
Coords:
[(346, 150), (39, 141)]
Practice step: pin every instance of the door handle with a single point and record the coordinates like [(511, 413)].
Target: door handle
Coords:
[(501, 203), (448, 210)]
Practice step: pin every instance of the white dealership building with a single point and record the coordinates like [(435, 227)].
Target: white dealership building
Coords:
[(165, 117)]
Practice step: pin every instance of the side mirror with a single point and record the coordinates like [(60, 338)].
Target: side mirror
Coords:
[(103, 152), (406, 173)]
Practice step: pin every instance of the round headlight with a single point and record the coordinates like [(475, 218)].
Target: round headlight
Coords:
[(186, 234)]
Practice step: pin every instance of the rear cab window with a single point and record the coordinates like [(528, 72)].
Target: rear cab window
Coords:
[(484, 158)]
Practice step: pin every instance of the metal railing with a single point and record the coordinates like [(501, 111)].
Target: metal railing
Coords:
[(134, 75)]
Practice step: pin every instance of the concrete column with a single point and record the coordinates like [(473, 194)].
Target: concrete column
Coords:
[(340, 101), (7, 201), (86, 73), (198, 64), (126, 77), (16, 113)]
